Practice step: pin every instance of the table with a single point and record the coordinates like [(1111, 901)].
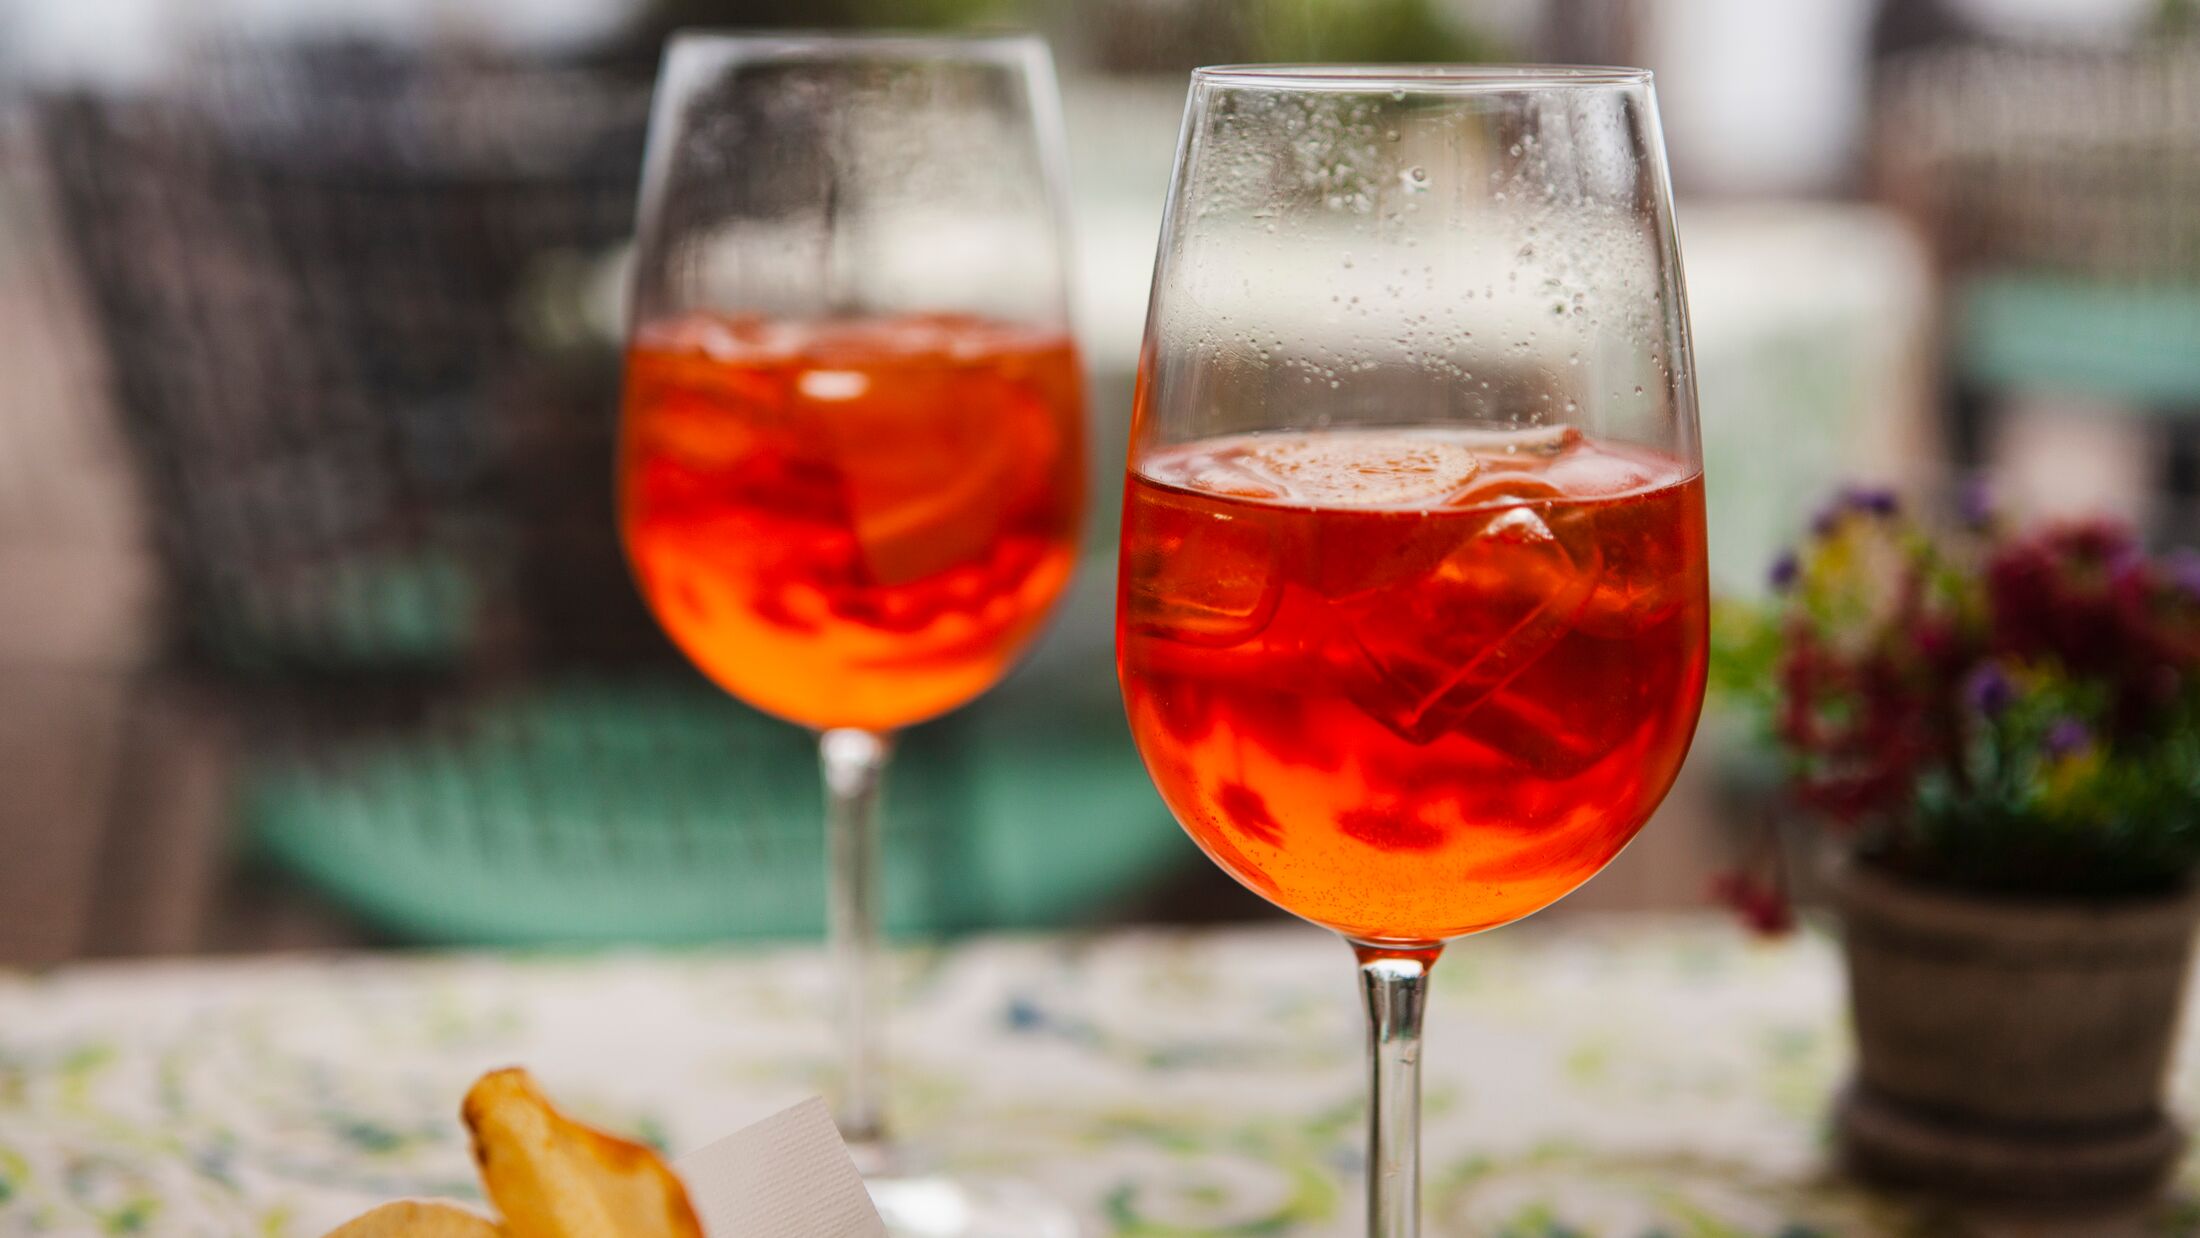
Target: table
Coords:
[(1630, 1076)]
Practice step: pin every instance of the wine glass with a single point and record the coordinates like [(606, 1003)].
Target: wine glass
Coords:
[(851, 453), (1412, 613)]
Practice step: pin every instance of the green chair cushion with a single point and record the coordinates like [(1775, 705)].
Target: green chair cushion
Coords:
[(2134, 343), (590, 811)]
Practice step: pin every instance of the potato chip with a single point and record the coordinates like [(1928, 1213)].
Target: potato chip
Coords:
[(552, 1177), (413, 1218)]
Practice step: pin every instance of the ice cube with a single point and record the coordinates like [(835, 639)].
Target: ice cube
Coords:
[(1504, 488), (1212, 474), (1197, 571), (929, 463), (1634, 597), (1434, 650), (1360, 553), (1530, 448), (1652, 575), (1376, 552), (705, 431), (1351, 468), (1516, 725), (1605, 473)]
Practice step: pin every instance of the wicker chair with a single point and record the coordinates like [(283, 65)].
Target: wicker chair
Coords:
[(355, 310), (2058, 187)]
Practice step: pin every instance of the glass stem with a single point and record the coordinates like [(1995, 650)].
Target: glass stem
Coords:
[(1395, 984), (854, 762)]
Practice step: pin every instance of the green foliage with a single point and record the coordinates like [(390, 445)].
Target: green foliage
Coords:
[(937, 14), (1745, 655), (2175, 18), (1356, 30), (2090, 822)]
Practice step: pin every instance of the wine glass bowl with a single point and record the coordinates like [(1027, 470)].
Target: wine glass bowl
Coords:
[(1413, 605), (1425, 721), (852, 453)]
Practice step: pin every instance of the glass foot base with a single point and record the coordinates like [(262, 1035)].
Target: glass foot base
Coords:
[(938, 1207)]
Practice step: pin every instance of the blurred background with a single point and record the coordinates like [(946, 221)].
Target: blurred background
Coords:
[(313, 627)]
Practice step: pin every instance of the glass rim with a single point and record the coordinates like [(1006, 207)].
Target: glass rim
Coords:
[(796, 41), (1423, 78)]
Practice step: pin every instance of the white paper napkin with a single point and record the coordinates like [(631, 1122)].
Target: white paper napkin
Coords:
[(788, 1176)]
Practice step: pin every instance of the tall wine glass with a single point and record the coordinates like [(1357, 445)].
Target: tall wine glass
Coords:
[(851, 457), (1411, 627)]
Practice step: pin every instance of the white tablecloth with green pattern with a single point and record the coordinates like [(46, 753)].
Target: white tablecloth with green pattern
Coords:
[(1627, 1077)]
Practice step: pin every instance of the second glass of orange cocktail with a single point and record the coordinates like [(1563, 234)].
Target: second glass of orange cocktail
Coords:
[(851, 463)]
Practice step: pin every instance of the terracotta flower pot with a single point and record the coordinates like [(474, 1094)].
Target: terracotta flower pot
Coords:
[(2011, 1049)]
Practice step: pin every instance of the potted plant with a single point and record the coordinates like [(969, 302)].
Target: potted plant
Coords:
[(2002, 731)]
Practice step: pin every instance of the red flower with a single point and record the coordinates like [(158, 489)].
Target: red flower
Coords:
[(2084, 597), (1762, 904), (2058, 595), (1864, 724)]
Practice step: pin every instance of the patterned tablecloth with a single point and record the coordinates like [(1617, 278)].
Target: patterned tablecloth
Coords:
[(1626, 1077)]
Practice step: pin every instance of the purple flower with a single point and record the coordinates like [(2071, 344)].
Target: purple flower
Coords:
[(1988, 691), (1859, 500), (2182, 568), (1975, 503), (2064, 738), (1873, 500), (1784, 571)]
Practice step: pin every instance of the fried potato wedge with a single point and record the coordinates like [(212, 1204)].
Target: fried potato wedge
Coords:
[(414, 1218), (552, 1177)]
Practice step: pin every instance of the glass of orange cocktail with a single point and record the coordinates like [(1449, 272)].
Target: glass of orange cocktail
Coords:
[(1412, 613), (851, 457)]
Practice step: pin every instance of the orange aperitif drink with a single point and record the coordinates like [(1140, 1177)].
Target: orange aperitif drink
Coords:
[(1413, 683), (851, 523)]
